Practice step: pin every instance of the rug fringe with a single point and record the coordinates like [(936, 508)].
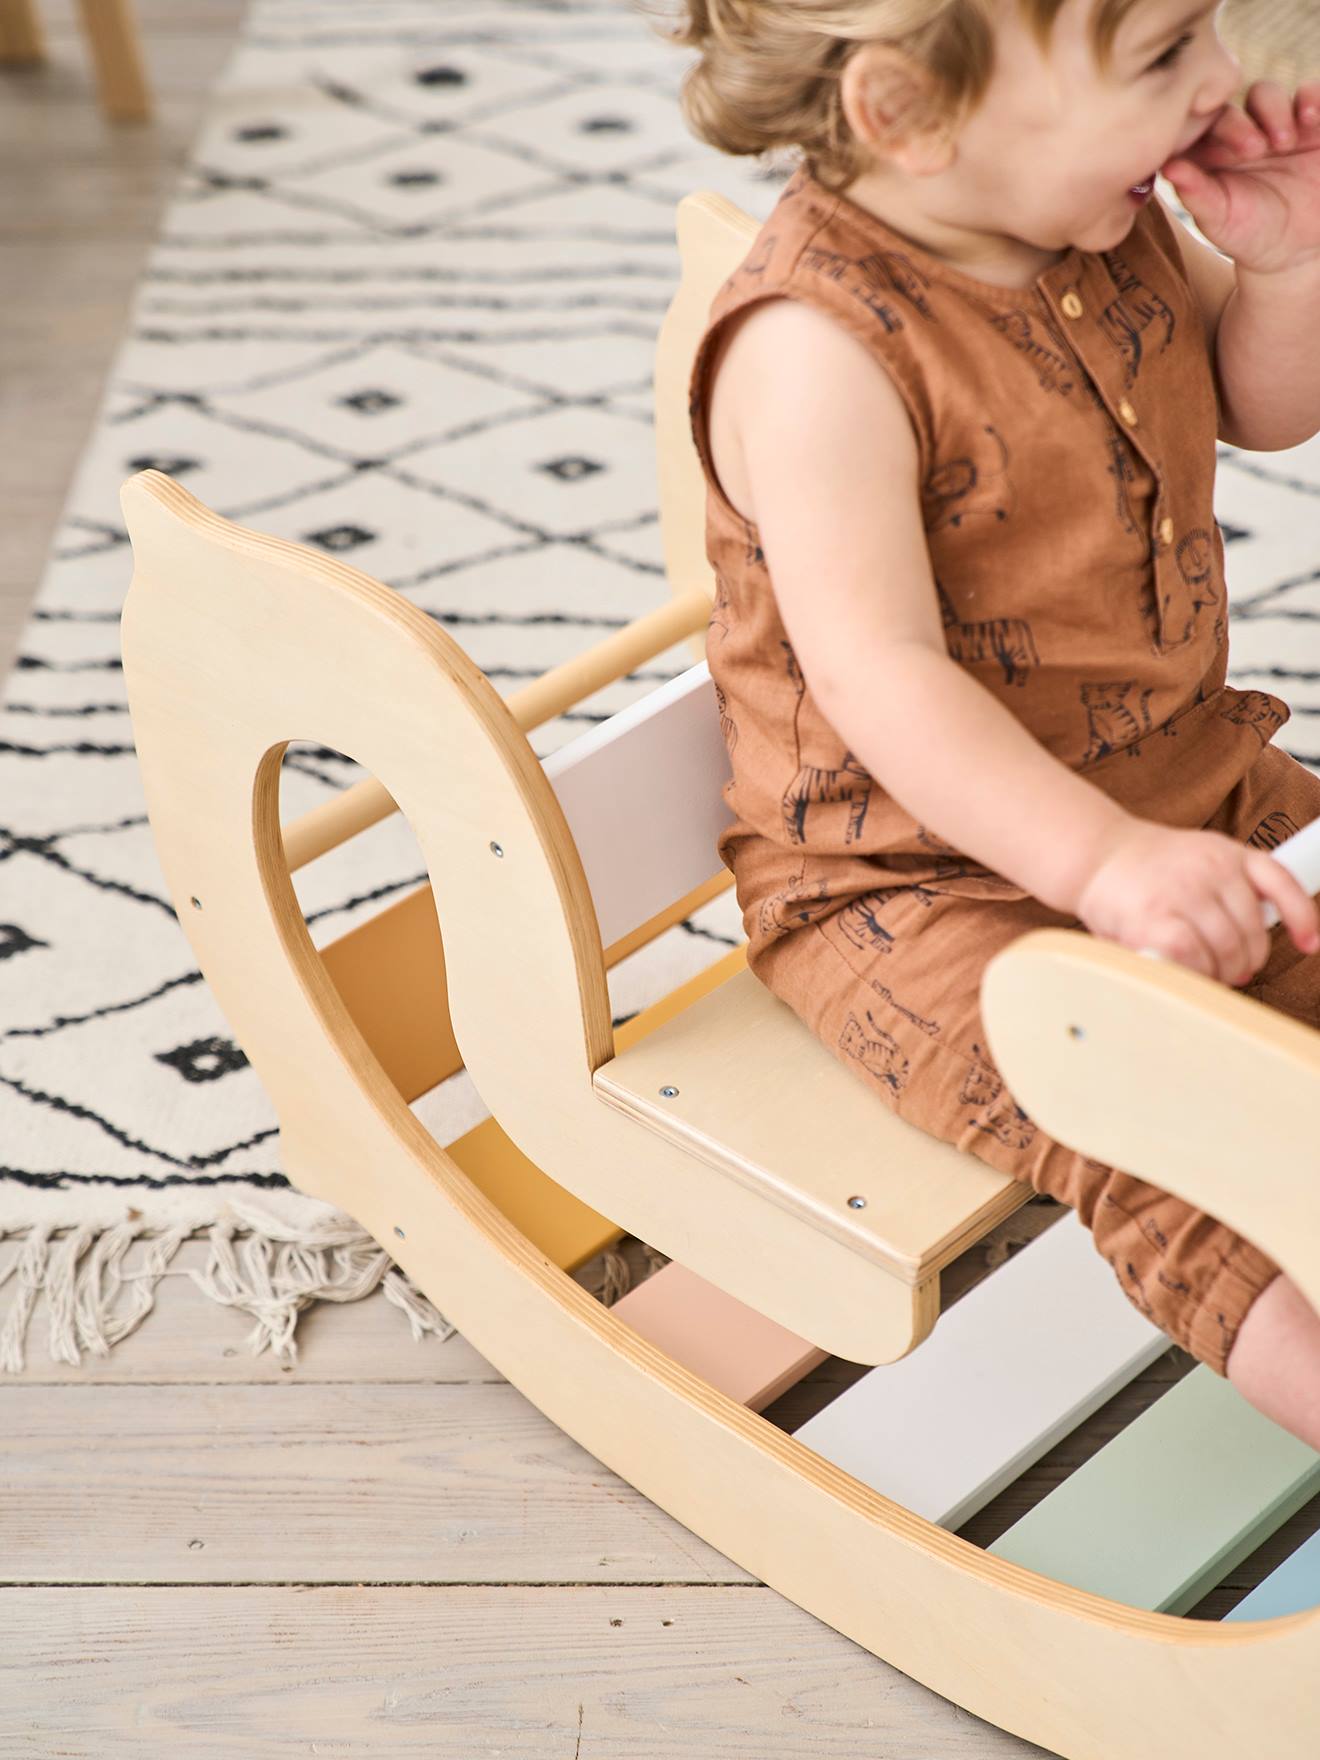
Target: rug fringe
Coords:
[(276, 1272)]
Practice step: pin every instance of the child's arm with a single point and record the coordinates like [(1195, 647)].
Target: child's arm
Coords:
[(831, 463), (827, 465)]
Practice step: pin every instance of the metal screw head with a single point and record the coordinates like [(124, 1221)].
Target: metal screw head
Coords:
[(857, 1203), (495, 850), (668, 1092), (402, 1236)]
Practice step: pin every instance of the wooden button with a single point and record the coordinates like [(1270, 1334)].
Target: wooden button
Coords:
[(1166, 531), (1128, 414), (1071, 304)]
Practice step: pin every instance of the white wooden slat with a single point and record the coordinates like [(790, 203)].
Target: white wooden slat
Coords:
[(642, 796), (1009, 1370)]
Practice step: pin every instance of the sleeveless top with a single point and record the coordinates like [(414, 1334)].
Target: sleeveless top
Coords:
[(1066, 435)]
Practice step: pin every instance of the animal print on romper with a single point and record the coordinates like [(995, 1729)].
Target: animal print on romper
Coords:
[(1125, 320), (964, 488), (1255, 710), (877, 1051), (1274, 829), (788, 908), (1006, 639), (728, 726), (850, 785), (1000, 1115), (860, 921), (1051, 364), (1110, 720), (856, 275)]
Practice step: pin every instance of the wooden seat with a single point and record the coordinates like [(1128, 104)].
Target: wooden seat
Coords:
[(768, 1105)]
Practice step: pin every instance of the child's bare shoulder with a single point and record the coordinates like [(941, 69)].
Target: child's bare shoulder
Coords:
[(778, 361), (783, 363)]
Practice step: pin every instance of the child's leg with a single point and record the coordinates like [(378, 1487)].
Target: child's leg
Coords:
[(1275, 1363), (893, 989)]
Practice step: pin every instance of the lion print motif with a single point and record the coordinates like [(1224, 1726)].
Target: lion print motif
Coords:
[(967, 488), (1255, 710), (1195, 559)]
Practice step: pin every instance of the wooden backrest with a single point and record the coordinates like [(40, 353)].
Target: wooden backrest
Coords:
[(713, 238), (642, 793)]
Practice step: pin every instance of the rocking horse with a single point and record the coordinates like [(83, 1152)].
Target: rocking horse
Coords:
[(800, 1216)]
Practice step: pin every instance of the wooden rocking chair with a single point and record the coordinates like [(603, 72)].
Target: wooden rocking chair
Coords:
[(800, 1216)]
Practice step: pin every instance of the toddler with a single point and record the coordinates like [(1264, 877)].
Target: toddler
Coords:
[(957, 410)]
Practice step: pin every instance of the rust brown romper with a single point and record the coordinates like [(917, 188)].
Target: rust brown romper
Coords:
[(1067, 440)]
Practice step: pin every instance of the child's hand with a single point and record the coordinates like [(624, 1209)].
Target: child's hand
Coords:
[(1195, 897), (1252, 184)]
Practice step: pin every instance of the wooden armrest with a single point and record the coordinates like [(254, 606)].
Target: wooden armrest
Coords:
[(1172, 1077)]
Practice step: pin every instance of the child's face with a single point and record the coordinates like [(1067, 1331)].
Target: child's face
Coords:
[(1052, 152)]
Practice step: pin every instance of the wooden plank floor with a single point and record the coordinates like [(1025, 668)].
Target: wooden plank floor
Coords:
[(384, 1550)]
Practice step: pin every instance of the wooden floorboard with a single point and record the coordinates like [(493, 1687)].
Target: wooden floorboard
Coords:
[(588, 1673)]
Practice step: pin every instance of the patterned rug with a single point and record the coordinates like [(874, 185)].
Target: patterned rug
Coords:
[(403, 309)]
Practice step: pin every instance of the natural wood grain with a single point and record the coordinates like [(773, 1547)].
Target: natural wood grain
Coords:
[(583, 1673)]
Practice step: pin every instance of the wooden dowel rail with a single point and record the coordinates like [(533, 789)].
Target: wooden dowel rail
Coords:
[(368, 802)]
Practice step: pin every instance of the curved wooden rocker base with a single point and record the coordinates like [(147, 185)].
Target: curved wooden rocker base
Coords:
[(1082, 1676), (235, 644)]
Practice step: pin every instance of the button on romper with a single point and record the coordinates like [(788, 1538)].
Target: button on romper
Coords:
[(1066, 437)]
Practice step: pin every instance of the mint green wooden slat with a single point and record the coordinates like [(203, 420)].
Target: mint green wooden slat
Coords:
[(1164, 1511), (1290, 1588)]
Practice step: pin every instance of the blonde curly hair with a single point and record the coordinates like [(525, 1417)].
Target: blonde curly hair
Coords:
[(770, 71)]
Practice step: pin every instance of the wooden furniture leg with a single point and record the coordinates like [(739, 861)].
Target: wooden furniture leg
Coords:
[(20, 32), (112, 33)]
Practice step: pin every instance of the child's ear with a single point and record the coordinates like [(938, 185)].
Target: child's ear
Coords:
[(891, 105)]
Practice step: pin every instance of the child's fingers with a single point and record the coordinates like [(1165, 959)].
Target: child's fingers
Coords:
[(1271, 108), (1229, 938), (1239, 133), (1297, 909), (1179, 938), (1201, 195), (1241, 904)]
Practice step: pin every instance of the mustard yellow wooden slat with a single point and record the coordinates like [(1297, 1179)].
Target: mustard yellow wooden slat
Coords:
[(566, 1230), (390, 973)]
